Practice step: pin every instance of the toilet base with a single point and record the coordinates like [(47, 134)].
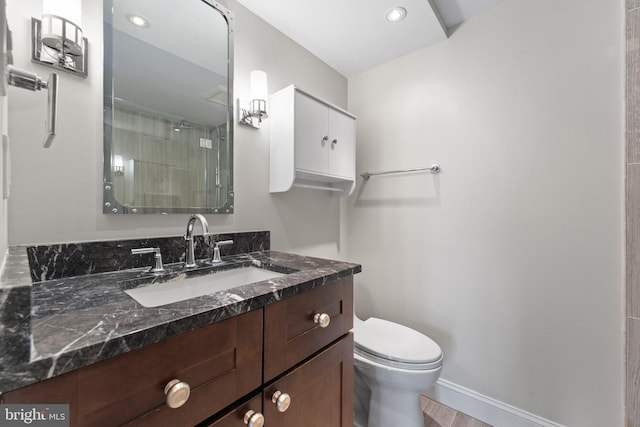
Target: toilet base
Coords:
[(361, 397), (393, 407)]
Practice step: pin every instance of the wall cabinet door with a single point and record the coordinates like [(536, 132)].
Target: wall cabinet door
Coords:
[(342, 145), (311, 135), (324, 139), (320, 390)]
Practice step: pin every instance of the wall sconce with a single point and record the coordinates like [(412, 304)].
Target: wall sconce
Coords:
[(253, 112), (56, 39), (118, 166)]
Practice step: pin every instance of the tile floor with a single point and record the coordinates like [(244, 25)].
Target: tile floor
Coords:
[(437, 415)]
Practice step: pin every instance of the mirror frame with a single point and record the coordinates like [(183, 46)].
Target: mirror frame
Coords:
[(109, 203)]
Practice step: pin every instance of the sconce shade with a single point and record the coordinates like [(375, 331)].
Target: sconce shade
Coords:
[(57, 39), (256, 108), (61, 25), (70, 9), (258, 81), (61, 35)]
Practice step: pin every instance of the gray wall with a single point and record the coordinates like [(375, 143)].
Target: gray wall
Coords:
[(4, 231), (57, 193), (4, 210), (512, 258), (633, 214)]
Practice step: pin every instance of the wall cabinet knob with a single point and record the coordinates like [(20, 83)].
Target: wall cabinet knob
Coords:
[(334, 142), (282, 400), (325, 139), (322, 319), (177, 393), (254, 419)]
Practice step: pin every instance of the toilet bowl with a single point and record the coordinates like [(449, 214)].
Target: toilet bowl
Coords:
[(393, 365)]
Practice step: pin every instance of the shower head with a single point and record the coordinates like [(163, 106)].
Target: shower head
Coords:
[(182, 125)]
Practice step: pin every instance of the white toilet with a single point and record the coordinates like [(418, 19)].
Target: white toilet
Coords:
[(393, 365)]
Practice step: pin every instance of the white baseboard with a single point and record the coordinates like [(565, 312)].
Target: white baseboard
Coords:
[(483, 408)]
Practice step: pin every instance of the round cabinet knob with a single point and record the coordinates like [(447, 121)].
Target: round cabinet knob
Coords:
[(322, 319), (282, 400), (254, 419), (325, 139), (177, 393), (334, 142)]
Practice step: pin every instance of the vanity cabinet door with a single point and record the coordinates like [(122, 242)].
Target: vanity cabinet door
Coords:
[(320, 391), (290, 332), (229, 370)]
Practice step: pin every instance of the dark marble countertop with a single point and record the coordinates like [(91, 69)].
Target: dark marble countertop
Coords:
[(54, 326)]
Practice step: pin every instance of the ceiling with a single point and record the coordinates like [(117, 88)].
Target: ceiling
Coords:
[(354, 35)]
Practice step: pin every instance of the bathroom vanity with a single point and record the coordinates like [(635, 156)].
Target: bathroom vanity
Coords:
[(277, 352)]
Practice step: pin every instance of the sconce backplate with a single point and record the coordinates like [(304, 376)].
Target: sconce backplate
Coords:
[(245, 117)]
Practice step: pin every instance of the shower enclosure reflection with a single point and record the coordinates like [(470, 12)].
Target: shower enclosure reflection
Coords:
[(168, 143), (159, 162)]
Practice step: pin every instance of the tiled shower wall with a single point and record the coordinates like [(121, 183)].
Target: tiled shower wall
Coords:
[(165, 167), (633, 215)]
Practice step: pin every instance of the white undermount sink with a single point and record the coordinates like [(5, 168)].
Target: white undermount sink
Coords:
[(184, 288)]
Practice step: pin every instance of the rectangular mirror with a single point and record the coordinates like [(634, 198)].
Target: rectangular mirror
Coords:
[(168, 109)]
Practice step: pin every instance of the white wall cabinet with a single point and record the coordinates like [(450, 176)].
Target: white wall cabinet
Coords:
[(312, 143)]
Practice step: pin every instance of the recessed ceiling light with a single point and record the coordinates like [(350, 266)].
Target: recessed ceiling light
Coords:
[(138, 21), (396, 14)]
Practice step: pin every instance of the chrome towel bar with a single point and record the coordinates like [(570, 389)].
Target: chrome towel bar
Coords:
[(435, 168)]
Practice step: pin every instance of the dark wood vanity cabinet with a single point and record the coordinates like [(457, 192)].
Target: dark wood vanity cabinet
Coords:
[(307, 361), (320, 390), (290, 332), (307, 356), (219, 362)]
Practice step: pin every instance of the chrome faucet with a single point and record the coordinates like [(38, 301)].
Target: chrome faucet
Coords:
[(189, 254)]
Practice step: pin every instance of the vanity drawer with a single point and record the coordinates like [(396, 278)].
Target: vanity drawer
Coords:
[(291, 335), (220, 362), (235, 417)]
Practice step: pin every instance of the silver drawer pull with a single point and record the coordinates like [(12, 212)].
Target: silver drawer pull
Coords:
[(322, 319), (254, 419), (282, 401), (177, 393)]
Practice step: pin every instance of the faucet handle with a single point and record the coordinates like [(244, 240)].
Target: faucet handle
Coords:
[(158, 266), (216, 249)]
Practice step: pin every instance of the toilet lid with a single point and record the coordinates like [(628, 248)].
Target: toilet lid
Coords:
[(392, 341)]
